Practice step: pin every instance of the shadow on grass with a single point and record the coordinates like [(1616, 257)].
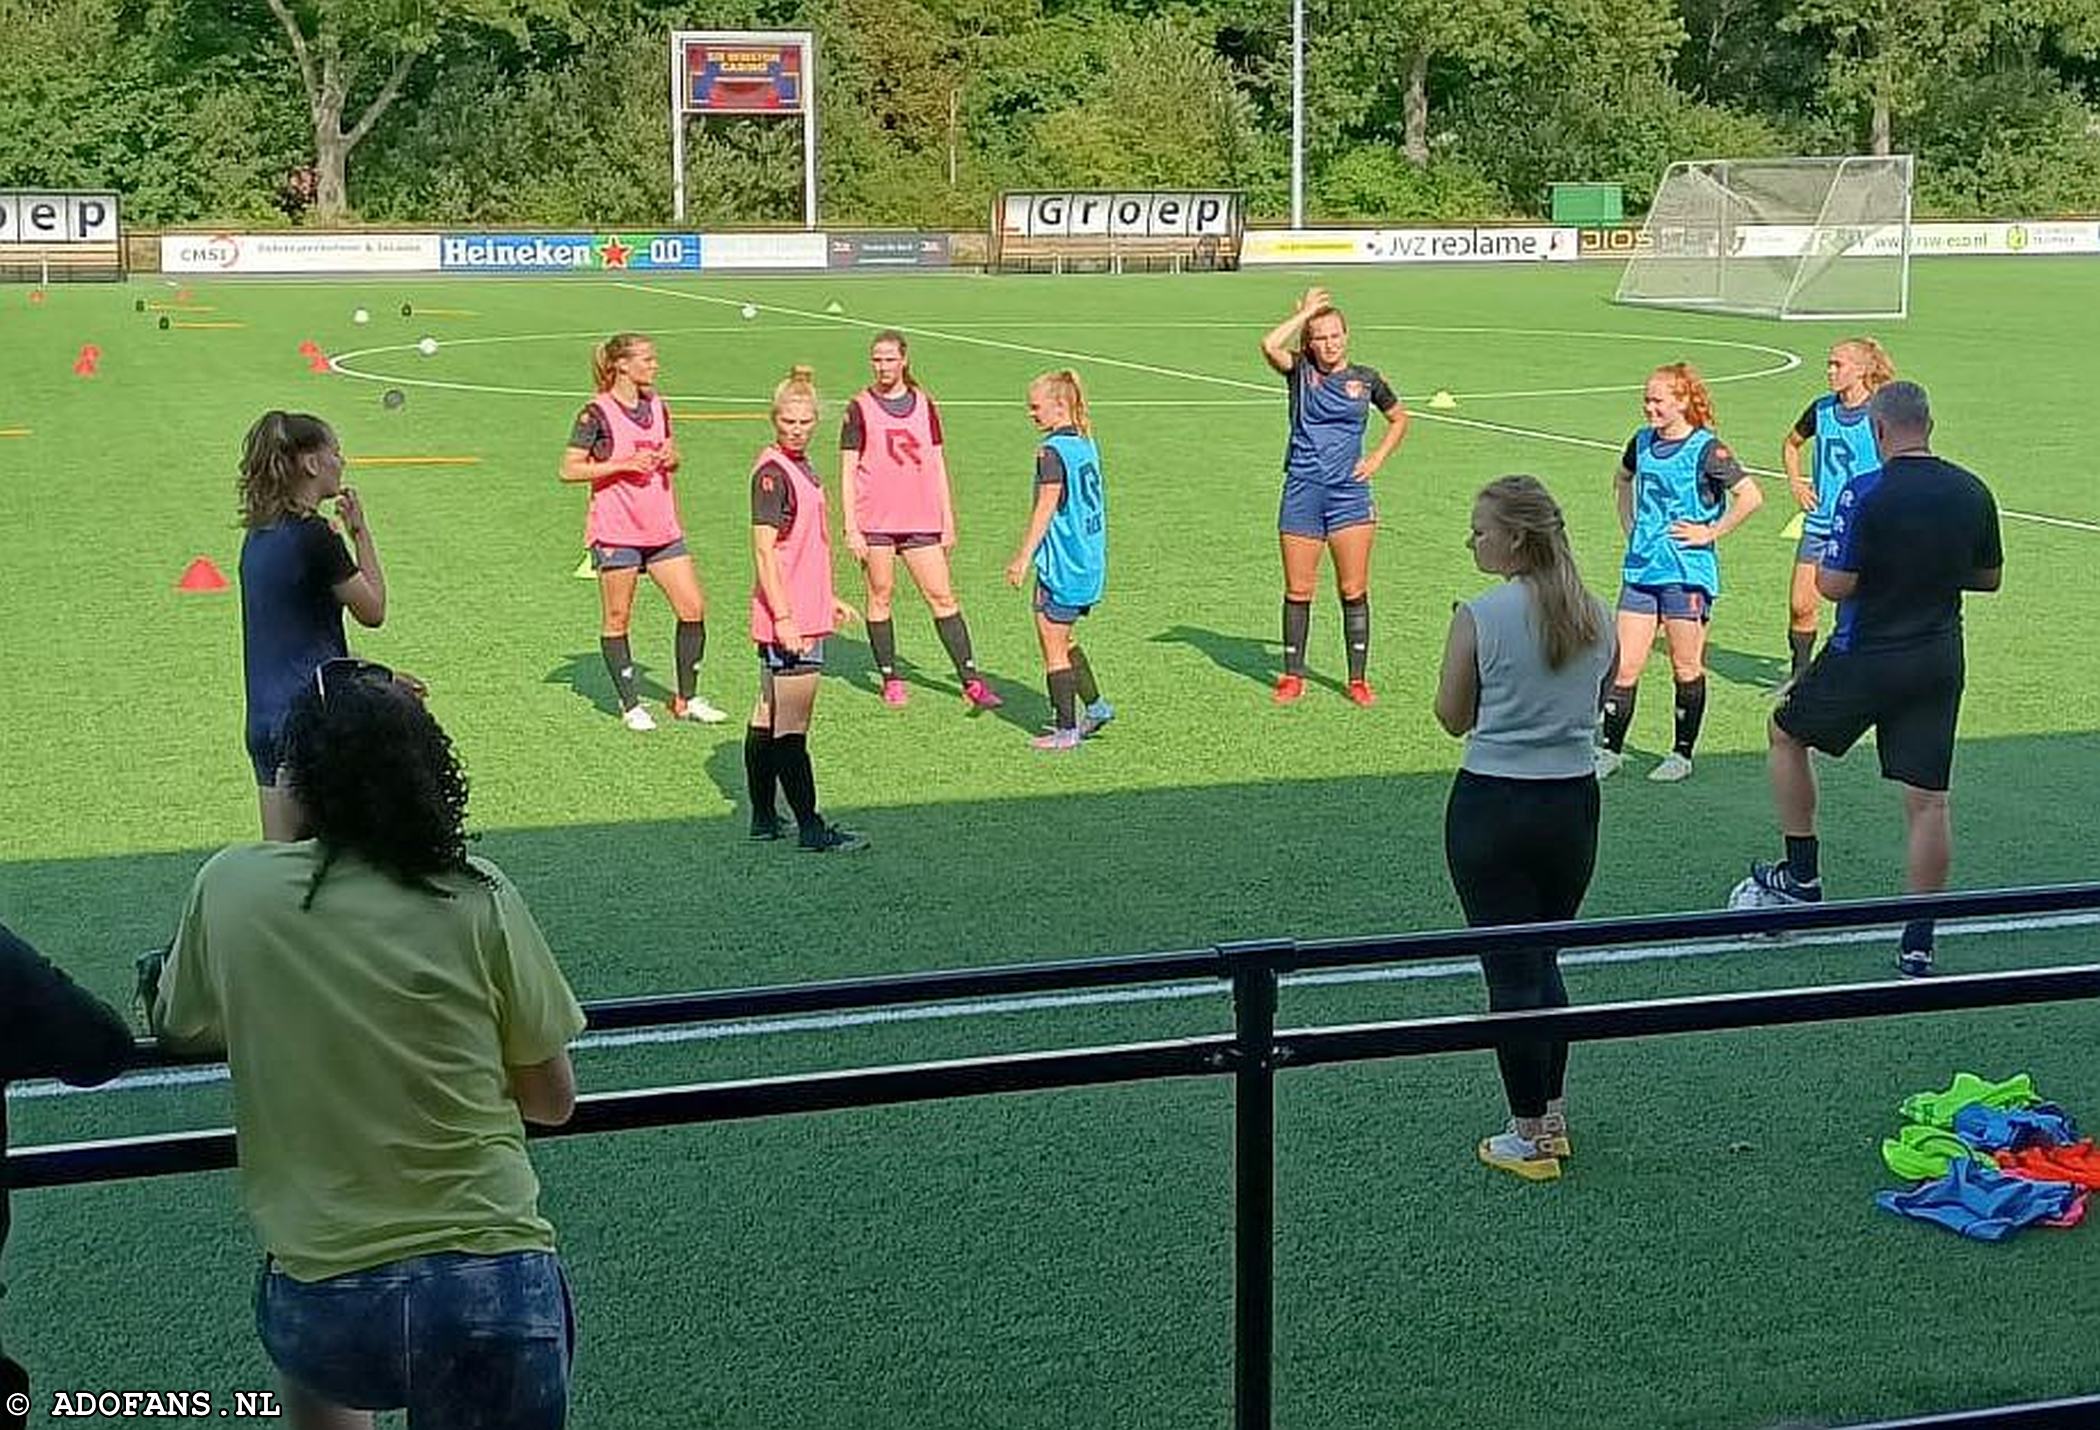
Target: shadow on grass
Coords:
[(1259, 661), (1737, 667)]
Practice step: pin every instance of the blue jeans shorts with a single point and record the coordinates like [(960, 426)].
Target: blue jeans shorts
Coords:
[(459, 1341)]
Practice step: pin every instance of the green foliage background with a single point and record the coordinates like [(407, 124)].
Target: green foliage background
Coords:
[(551, 111)]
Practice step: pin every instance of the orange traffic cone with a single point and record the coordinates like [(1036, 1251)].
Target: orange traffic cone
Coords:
[(201, 575), (84, 365)]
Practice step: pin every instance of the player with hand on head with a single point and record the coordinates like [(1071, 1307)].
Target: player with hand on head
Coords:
[(296, 582), (793, 608), (1066, 546), (1679, 491), (1844, 449), (621, 445), (894, 496), (1327, 503)]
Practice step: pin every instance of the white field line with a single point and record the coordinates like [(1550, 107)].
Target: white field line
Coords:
[(1109, 997)]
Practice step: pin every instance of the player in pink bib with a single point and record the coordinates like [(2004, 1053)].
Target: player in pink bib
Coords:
[(621, 444), (894, 486), (793, 608)]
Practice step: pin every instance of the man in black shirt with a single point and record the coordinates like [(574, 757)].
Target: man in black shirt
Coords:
[(1906, 543), (48, 1028)]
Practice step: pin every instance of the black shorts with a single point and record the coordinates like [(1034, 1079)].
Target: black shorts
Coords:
[(1910, 699)]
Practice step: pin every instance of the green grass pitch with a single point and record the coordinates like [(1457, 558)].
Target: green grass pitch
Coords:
[(1712, 1260)]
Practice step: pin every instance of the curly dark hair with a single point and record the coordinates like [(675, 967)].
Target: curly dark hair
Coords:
[(375, 775)]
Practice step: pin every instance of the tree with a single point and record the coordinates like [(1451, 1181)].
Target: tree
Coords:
[(1362, 47), (342, 46)]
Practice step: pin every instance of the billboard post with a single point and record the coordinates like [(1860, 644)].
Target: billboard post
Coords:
[(759, 72)]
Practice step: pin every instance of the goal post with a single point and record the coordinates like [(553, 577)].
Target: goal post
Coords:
[(750, 72), (1777, 238)]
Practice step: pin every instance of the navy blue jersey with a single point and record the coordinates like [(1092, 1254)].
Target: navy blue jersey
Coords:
[(291, 620), (1329, 411), (1845, 449), (1915, 533)]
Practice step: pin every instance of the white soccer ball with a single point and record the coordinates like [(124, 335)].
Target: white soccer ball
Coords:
[(748, 312), (428, 347), (1747, 895), (360, 317)]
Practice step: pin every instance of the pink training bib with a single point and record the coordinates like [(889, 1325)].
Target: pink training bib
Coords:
[(900, 479), (803, 551), (634, 506)]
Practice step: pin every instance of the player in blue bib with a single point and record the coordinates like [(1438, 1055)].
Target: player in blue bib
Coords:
[(1679, 491), (1327, 481), (1837, 423), (1066, 547)]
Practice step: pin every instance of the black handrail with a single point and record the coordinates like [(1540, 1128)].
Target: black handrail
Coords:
[(1252, 1055)]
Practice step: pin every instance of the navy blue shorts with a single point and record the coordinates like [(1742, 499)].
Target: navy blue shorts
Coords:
[(1057, 613), (633, 558), (1320, 509), (1813, 549), (782, 661), (455, 1339), (902, 540), (1673, 602)]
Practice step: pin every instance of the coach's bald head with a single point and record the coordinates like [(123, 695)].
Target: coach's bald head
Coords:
[(1902, 418)]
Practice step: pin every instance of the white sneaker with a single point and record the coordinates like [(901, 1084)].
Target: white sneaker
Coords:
[(1608, 763), (1674, 767), (638, 719), (697, 708)]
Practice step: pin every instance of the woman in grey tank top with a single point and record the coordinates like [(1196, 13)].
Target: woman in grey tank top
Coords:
[(1524, 669)]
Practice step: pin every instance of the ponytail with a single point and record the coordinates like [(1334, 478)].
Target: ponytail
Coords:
[(1691, 391), (273, 464), (1570, 619), (1064, 385), (605, 358)]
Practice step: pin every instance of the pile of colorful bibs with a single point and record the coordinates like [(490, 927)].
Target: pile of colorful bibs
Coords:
[(1988, 1159)]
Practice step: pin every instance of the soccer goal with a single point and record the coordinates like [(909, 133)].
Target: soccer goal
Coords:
[(1777, 238)]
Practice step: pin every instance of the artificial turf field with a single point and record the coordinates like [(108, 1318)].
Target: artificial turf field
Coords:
[(1712, 1258)]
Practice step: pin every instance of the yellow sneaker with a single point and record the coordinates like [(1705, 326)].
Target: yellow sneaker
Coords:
[(1520, 1156), (1553, 1137)]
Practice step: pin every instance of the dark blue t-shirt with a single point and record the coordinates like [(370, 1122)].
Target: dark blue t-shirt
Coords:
[(1915, 533), (1329, 411), (290, 618)]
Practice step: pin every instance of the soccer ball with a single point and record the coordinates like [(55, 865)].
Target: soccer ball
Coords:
[(360, 317), (428, 347), (1750, 894), (748, 312)]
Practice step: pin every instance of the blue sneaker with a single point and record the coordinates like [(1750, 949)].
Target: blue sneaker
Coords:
[(1778, 883), (1095, 716), (1915, 963)]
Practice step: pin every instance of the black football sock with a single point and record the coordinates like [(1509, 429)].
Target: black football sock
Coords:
[(1691, 714), (619, 661), (955, 639), (1801, 858), (1356, 634), (797, 780), (1802, 646), (1083, 678), (1297, 625), (1618, 716), (760, 778), (692, 644), (1064, 698), (882, 640)]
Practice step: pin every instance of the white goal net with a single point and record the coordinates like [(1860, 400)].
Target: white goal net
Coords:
[(1777, 238)]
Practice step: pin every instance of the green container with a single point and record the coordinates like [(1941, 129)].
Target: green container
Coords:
[(1588, 205)]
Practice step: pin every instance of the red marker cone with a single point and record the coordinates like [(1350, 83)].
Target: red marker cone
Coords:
[(84, 365), (308, 348), (36, 296), (201, 575), (316, 360)]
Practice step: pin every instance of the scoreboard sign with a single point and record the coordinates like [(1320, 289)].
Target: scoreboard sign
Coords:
[(46, 236), (736, 76)]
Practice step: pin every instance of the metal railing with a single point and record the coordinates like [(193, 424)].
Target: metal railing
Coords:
[(1252, 1055)]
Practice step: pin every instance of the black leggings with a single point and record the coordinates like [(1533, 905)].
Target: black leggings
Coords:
[(1522, 852)]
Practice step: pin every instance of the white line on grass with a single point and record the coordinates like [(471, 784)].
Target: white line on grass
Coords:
[(1109, 997)]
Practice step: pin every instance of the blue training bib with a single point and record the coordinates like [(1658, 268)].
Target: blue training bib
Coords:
[(1072, 562), (1667, 488)]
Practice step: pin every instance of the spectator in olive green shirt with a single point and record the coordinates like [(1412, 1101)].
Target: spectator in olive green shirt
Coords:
[(392, 1018)]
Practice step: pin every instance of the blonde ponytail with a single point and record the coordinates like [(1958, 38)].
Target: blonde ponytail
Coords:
[(1063, 384)]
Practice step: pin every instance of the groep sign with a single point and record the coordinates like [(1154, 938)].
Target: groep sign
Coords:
[(1120, 215)]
